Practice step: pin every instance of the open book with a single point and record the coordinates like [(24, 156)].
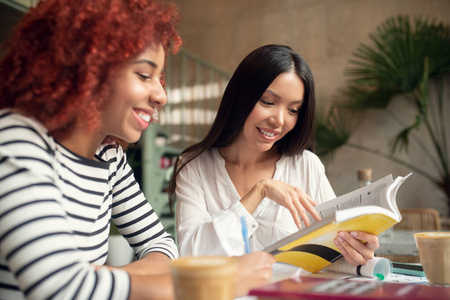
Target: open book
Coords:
[(372, 208)]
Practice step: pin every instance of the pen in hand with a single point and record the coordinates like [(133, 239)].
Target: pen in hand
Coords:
[(245, 235)]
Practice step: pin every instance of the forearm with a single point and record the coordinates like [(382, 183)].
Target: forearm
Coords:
[(151, 264), (149, 277), (154, 263), (153, 287), (254, 270)]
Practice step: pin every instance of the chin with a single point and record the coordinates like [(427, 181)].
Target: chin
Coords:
[(131, 138), (135, 140), (265, 148)]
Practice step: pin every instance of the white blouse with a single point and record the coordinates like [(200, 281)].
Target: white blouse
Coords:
[(208, 209)]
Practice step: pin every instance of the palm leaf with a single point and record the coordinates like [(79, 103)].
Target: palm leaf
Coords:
[(394, 62), (333, 130), (401, 141), (402, 58)]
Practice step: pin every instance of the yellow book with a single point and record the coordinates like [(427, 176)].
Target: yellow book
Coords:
[(372, 209)]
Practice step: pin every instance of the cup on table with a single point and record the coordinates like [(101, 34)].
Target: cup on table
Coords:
[(434, 254), (204, 278)]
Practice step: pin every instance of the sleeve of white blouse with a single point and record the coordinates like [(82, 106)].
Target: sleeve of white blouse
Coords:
[(135, 218), (38, 251), (199, 232)]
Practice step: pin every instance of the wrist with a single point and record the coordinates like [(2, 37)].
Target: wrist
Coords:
[(252, 199), (262, 188)]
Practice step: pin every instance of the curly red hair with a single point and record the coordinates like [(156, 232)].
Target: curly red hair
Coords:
[(63, 53)]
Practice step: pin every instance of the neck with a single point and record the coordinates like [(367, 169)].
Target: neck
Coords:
[(243, 156), (82, 142)]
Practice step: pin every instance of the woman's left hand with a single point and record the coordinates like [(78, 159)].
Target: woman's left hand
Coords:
[(357, 247), (254, 270)]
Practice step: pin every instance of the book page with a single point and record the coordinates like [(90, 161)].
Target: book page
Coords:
[(388, 199), (368, 195)]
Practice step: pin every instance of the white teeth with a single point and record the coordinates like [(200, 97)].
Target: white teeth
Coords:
[(144, 116), (270, 134)]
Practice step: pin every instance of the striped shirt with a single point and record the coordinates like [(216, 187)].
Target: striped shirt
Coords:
[(55, 212)]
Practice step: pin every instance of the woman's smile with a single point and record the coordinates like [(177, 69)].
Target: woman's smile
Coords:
[(144, 118), (268, 134)]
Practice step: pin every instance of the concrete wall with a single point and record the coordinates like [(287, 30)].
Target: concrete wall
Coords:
[(325, 33)]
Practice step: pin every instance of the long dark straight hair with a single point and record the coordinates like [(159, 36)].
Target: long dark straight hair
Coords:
[(248, 83)]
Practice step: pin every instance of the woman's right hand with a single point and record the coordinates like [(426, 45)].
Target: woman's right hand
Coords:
[(293, 198), (253, 270)]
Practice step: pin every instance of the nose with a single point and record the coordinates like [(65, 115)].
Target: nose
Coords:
[(158, 96), (277, 118)]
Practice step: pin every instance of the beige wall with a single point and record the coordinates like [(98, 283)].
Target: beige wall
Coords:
[(325, 33)]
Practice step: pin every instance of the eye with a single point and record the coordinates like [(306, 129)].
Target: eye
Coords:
[(293, 110), (265, 102), (144, 77)]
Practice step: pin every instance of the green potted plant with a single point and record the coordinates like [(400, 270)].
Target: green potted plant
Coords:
[(405, 59)]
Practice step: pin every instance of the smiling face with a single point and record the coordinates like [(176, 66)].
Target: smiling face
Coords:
[(275, 113), (136, 95)]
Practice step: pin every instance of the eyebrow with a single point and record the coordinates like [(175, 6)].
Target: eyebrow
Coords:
[(146, 61), (278, 96)]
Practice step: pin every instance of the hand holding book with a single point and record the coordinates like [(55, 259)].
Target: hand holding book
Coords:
[(357, 247), (371, 209)]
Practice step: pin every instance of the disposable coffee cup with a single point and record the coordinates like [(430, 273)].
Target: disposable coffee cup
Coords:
[(434, 253), (204, 278)]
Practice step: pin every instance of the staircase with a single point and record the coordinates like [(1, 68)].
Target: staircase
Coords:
[(194, 90)]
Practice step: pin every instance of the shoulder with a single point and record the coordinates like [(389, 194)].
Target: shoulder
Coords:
[(112, 154), (201, 166), (17, 129), (204, 159), (13, 120), (304, 164), (109, 151), (306, 159), (307, 154)]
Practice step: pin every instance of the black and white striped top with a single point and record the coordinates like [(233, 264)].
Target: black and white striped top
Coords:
[(55, 211)]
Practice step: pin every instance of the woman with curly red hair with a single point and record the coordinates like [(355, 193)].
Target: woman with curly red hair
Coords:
[(80, 79)]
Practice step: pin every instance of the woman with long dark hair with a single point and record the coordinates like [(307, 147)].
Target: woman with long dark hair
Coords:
[(256, 163)]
